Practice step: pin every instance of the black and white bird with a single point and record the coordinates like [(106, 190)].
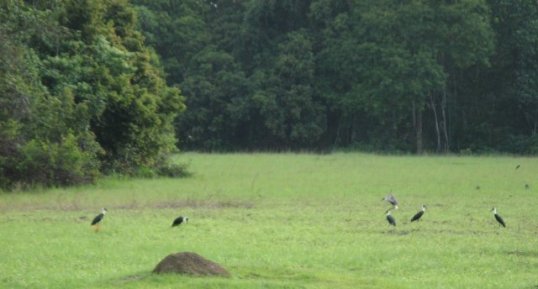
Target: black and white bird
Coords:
[(179, 220), (498, 217), (392, 200), (390, 219), (97, 220), (418, 215)]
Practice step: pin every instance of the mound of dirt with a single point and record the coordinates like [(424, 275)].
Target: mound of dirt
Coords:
[(190, 264)]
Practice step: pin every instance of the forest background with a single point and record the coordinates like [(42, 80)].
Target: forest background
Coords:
[(115, 86)]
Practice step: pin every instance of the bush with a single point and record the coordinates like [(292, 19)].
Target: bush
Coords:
[(520, 144), (162, 170), (45, 163), (173, 170)]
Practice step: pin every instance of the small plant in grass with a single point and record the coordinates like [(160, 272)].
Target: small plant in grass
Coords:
[(173, 170), (163, 170)]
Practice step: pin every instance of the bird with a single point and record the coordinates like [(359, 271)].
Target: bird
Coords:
[(392, 200), (391, 219), (498, 217), (527, 186), (418, 215), (517, 167), (97, 220), (179, 220)]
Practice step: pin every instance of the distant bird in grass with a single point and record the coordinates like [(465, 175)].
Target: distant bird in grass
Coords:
[(96, 223), (498, 217), (180, 220), (392, 200), (477, 187), (418, 215), (390, 218), (527, 186), (517, 167)]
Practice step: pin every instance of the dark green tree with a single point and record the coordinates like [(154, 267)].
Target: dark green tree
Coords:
[(509, 117), (80, 92), (284, 97), (381, 75)]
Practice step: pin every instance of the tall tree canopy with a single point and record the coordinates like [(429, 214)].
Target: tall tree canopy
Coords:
[(80, 93), (421, 75)]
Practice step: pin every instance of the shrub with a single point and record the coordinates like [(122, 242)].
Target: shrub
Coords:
[(173, 170), (71, 161)]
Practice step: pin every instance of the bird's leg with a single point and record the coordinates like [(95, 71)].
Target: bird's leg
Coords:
[(96, 228)]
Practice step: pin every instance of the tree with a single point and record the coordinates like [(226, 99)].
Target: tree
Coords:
[(512, 81), (284, 97), (80, 93), (380, 75), (39, 137), (396, 59), (216, 87)]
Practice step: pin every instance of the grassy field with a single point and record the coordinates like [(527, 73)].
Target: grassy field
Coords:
[(285, 221)]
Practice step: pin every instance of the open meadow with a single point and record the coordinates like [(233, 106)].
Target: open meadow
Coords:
[(285, 221)]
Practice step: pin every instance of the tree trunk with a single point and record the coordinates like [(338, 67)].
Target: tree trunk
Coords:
[(437, 131), (444, 122), (417, 124)]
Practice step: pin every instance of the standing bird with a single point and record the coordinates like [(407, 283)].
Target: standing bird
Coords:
[(391, 219), (418, 215), (392, 200), (97, 220), (179, 220), (498, 217)]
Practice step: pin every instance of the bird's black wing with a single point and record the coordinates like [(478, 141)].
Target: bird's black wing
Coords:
[(97, 219), (177, 221), (391, 220), (500, 220), (417, 216)]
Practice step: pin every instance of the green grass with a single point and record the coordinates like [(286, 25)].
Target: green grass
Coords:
[(284, 221)]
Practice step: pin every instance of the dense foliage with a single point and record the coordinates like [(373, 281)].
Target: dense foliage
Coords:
[(419, 75), (88, 87), (80, 94)]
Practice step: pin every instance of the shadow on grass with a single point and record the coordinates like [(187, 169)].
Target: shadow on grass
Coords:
[(135, 277), (526, 254), (396, 232), (191, 203), (265, 280)]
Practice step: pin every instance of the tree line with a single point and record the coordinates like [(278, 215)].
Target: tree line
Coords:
[(392, 75), (91, 87)]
